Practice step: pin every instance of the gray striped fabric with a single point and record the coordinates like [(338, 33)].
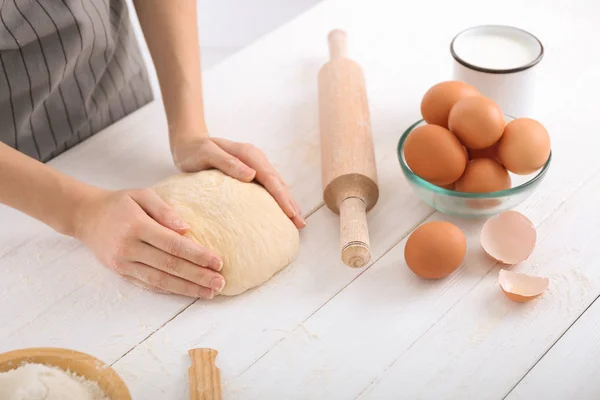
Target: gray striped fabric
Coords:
[(68, 69)]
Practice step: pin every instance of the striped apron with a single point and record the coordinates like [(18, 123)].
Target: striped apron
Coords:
[(68, 69)]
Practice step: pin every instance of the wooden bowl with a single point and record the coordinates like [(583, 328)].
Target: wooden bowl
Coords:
[(79, 363)]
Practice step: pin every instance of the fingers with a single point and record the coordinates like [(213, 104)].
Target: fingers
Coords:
[(298, 220), (267, 175), (161, 281), (228, 163), (274, 185), (282, 195), (278, 190), (180, 246), (158, 210), (179, 267)]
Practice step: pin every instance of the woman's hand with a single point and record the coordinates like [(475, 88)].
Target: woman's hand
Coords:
[(240, 161), (136, 234)]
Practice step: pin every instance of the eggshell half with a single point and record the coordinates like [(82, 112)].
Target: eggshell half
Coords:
[(508, 237), (521, 287)]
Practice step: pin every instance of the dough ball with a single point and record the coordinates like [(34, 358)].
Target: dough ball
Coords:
[(239, 221)]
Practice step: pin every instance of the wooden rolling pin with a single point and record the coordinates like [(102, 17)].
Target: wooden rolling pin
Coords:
[(205, 377), (347, 154)]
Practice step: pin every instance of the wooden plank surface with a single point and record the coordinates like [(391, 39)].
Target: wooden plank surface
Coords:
[(247, 338), (53, 292), (249, 325), (485, 343), (570, 368), (319, 329), (405, 317)]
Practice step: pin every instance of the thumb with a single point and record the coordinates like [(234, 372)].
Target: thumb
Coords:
[(160, 211), (230, 165)]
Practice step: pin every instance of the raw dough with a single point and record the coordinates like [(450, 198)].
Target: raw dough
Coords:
[(240, 221), (42, 382)]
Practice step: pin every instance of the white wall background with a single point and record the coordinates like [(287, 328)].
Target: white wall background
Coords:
[(226, 26)]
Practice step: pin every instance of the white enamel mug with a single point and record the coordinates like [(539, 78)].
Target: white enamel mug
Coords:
[(500, 62)]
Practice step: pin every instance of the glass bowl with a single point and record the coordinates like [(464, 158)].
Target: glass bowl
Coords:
[(470, 205)]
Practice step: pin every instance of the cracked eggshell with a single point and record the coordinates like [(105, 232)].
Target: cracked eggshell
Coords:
[(508, 237), (521, 287)]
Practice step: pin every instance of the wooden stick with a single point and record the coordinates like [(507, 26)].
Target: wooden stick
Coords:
[(338, 44), (354, 233), (349, 173), (205, 377)]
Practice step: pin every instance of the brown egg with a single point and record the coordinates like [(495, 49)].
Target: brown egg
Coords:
[(440, 98), (525, 146), (466, 152), (435, 154), (483, 176), (489, 152), (435, 250), (477, 121), (450, 186)]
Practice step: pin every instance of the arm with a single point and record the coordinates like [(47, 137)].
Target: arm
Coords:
[(132, 232), (171, 31), (40, 191)]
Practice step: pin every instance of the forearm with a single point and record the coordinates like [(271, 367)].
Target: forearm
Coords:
[(40, 191), (171, 31)]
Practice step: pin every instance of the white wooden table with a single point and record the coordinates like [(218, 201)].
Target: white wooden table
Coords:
[(320, 330)]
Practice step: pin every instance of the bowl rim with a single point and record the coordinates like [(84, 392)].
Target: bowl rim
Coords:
[(440, 190), (108, 380)]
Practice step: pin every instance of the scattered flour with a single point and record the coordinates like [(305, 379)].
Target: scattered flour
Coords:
[(42, 382)]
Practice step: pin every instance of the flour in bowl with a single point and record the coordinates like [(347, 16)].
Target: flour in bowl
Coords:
[(42, 382)]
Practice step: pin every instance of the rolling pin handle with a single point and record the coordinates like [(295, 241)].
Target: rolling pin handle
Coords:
[(338, 44), (354, 233), (205, 377)]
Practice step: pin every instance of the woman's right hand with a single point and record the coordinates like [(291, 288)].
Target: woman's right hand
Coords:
[(138, 235)]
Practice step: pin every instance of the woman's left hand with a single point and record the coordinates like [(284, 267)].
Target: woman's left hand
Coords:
[(241, 161)]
